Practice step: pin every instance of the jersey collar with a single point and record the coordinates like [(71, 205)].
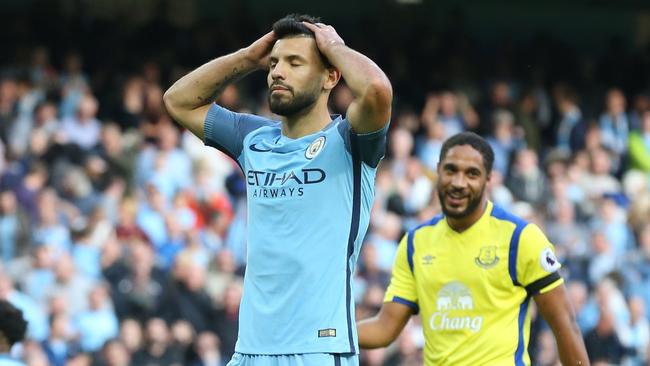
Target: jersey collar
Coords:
[(484, 217)]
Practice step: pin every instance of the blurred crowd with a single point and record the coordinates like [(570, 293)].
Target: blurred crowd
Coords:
[(122, 237)]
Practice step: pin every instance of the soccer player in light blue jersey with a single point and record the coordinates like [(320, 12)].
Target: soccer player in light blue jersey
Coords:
[(310, 179), (12, 330)]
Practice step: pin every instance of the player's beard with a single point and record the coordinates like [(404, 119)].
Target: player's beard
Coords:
[(472, 204), (298, 101)]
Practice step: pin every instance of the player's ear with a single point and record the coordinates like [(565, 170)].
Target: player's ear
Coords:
[(332, 78)]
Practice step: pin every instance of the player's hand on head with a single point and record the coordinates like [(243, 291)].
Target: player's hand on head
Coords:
[(326, 36), (258, 52)]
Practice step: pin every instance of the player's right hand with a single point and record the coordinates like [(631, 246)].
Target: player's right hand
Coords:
[(258, 52)]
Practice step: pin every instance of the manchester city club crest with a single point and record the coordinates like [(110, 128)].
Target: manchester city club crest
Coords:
[(315, 147), (487, 257)]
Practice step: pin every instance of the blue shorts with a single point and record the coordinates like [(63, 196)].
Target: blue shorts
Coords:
[(304, 359)]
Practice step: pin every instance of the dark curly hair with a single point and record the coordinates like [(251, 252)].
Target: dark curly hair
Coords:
[(476, 142), (291, 25), (12, 324)]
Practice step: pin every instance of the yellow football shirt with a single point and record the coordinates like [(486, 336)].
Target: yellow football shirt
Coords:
[(473, 288)]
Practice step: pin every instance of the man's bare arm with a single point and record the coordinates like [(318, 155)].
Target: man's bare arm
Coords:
[(558, 313), (189, 99), (372, 91), (382, 329)]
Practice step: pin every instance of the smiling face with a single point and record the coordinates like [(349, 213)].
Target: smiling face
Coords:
[(297, 76), (462, 178)]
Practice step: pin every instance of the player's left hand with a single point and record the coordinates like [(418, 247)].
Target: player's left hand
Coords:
[(326, 36)]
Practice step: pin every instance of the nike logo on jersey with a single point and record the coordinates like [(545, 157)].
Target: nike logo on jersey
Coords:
[(255, 148)]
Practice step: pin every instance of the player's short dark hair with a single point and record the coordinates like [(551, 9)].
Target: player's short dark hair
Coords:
[(12, 324), (291, 25), (476, 142)]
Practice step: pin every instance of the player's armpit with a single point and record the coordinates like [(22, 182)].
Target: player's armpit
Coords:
[(382, 329), (556, 309)]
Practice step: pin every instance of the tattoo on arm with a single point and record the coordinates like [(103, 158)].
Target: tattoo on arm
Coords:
[(221, 85)]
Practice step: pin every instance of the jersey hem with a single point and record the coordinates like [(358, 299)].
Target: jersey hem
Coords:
[(297, 352)]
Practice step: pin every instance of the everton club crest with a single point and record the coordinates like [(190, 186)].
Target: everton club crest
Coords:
[(487, 257)]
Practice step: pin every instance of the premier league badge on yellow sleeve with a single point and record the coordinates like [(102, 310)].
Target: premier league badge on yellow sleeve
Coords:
[(549, 261), (487, 257)]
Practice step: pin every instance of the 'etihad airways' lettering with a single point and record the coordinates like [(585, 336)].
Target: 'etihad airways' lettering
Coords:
[(277, 192), (269, 179)]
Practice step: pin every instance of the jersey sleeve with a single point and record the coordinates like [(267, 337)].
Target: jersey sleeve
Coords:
[(371, 146), (402, 283), (537, 265), (225, 130)]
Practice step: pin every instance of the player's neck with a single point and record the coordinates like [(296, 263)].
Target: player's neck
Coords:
[(461, 224), (310, 120)]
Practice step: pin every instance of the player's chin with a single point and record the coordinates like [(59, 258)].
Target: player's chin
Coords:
[(454, 211), (276, 97)]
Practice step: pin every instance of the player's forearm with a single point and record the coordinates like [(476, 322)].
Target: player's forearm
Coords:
[(554, 305), (203, 85), (372, 333), (571, 347), (364, 78)]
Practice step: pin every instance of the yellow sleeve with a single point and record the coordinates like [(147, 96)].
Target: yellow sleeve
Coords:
[(402, 283), (537, 265)]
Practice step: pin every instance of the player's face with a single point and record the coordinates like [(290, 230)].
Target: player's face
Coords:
[(296, 75), (461, 181)]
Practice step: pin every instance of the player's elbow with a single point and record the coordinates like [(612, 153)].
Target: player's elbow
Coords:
[(379, 91), (376, 102), (170, 100)]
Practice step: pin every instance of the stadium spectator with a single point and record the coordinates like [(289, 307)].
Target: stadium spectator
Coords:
[(60, 345), (571, 127), (84, 128), (603, 345), (526, 181), (158, 348), (14, 228), (614, 122), (98, 323)]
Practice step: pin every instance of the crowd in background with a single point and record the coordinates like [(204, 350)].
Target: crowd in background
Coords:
[(122, 237)]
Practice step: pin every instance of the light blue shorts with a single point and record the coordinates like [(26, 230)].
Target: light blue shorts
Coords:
[(305, 359)]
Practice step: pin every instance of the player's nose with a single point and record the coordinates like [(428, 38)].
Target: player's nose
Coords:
[(277, 72), (458, 181)]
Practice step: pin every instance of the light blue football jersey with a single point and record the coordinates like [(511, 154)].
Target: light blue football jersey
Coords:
[(309, 202)]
